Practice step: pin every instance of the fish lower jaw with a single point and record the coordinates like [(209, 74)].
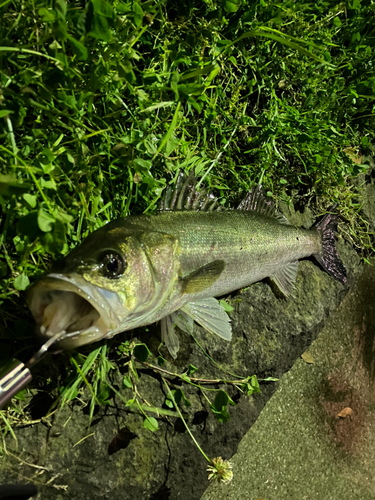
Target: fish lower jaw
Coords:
[(78, 315), (96, 331), (75, 337)]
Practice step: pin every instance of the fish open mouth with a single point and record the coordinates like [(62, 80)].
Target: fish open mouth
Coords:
[(69, 312), (72, 305)]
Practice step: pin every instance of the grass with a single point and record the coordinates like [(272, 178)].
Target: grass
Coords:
[(102, 103)]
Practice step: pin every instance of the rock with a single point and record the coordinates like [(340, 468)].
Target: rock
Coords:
[(117, 458)]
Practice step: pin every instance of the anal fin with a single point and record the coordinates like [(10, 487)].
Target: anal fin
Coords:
[(285, 278)]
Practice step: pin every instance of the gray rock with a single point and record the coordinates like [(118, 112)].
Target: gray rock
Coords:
[(116, 458), (303, 446)]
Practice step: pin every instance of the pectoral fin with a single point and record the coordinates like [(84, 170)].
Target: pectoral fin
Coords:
[(285, 278), (209, 314), (203, 277)]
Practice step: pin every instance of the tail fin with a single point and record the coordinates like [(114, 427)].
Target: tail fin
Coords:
[(330, 259)]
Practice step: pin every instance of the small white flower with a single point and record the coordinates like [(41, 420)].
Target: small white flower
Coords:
[(221, 470)]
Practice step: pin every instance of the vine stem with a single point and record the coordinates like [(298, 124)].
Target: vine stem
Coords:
[(183, 420), (192, 379)]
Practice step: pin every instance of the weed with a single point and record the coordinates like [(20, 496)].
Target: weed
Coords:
[(103, 102)]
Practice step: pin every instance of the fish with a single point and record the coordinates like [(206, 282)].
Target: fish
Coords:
[(170, 267)]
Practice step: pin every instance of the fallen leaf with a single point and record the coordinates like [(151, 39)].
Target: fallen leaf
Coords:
[(353, 154), (346, 412), (306, 356)]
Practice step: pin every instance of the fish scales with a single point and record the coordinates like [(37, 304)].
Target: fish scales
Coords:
[(169, 266), (252, 246)]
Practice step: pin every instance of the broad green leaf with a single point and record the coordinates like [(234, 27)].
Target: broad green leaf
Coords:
[(356, 5), (45, 220), (9, 185), (138, 14), (54, 241), (327, 56), (55, 45), (30, 199), (103, 8), (21, 282), (221, 400), (125, 67), (78, 48), (192, 369), (184, 398), (172, 145), (253, 385), (144, 165), (170, 130), (123, 8), (28, 226), (197, 72), (5, 112), (48, 16), (193, 102), (227, 307), (190, 89), (48, 184), (104, 393), (151, 424), (231, 5), (222, 416), (141, 352), (100, 18), (337, 22), (161, 360), (127, 382), (60, 8), (177, 395)]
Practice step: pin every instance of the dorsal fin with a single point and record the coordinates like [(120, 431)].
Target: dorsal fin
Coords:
[(255, 201), (185, 196)]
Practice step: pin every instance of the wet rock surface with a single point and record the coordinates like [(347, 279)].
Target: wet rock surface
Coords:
[(315, 438), (117, 458)]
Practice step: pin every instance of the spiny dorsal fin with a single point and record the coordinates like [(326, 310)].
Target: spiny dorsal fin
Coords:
[(185, 196), (255, 201)]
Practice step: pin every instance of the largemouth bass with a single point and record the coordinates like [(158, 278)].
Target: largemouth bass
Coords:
[(140, 269)]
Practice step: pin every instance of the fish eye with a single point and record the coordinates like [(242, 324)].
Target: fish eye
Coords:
[(113, 265)]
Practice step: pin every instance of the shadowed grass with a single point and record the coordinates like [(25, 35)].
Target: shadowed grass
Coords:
[(102, 103)]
